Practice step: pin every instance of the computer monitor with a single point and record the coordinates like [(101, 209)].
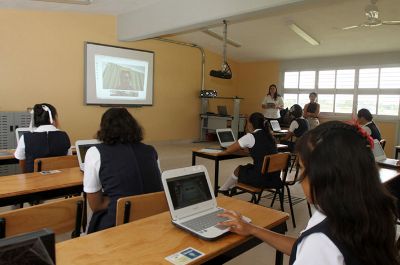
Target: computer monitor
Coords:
[(36, 248)]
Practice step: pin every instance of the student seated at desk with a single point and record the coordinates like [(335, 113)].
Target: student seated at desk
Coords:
[(364, 118), (297, 127), (260, 142), (45, 141), (121, 166), (355, 220)]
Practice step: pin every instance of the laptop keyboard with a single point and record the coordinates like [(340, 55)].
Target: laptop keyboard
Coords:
[(205, 221)]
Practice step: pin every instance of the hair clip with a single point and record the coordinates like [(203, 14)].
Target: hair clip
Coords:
[(45, 108)]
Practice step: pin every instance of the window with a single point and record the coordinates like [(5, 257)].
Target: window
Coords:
[(289, 100), (390, 78), (326, 102), (368, 78), (326, 79), (345, 79), (344, 91), (344, 103), (367, 102), (291, 80), (388, 105), (307, 79)]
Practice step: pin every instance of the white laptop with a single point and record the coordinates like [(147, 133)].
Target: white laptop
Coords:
[(81, 148), (276, 127), (192, 203), (20, 131), (380, 156), (225, 137)]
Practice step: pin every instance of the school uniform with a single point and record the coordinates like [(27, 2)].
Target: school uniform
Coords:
[(119, 170), (372, 129), (44, 141), (298, 127), (317, 246), (259, 145)]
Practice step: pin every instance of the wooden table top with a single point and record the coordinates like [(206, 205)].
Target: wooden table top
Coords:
[(21, 184), (150, 240), (240, 153), (6, 154)]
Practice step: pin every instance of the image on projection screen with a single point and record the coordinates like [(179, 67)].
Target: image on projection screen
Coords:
[(120, 78)]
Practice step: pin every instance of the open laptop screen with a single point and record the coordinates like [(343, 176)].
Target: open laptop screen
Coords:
[(226, 136), (379, 154), (275, 125), (83, 149), (188, 190)]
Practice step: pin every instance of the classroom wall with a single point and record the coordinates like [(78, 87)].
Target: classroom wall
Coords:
[(42, 61), (254, 80)]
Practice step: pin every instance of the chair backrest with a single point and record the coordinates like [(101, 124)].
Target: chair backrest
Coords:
[(140, 206), (55, 162), (275, 162), (60, 216), (383, 143)]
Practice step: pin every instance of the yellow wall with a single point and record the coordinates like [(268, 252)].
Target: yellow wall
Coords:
[(253, 83), (42, 61)]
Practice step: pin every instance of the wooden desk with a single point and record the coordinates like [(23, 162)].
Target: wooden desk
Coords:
[(35, 186), (217, 157), (7, 157), (150, 240)]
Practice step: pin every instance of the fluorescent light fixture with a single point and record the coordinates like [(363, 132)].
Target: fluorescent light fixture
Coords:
[(303, 34), (74, 2)]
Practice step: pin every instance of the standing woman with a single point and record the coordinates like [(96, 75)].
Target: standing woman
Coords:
[(311, 111), (272, 104), (45, 141), (259, 142), (120, 166)]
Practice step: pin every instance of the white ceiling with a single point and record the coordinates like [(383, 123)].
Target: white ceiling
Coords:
[(267, 36)]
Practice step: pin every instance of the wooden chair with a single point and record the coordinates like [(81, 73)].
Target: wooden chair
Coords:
[(55, 162), (61, 216), (383, 143), (140, 206), (272, 163), (288, 183)]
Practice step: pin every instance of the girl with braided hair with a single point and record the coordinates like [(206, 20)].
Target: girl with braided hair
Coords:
[(355, 218)]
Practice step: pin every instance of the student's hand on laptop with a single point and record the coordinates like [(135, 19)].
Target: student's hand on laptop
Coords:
[(236, 223)]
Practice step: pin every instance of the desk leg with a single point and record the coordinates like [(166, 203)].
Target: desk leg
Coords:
[(193, 159), (279, 255), (216, 172)]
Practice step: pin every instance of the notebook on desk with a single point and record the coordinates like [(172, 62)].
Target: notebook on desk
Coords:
[(192, 203), (276, 127), (225, 137), (81, 148), (380, 156)]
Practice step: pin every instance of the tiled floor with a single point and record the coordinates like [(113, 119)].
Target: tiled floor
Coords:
[(179, 154)]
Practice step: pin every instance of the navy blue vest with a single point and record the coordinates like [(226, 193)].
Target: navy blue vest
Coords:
[(323, 227), (263, 146), (126, 170), (44, 144), (303, 127), (375, 133)]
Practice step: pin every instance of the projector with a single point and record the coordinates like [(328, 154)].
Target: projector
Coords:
[(208, 93), (221, 74)]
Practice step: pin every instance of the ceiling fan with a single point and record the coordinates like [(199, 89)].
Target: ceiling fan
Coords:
[(373, 20)]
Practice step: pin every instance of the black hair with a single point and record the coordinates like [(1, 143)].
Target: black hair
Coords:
[(345, 186), (41, 116), (119, 126), (296, 111), (314, 94), (364, 113), (258, 121), (276, 91)]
